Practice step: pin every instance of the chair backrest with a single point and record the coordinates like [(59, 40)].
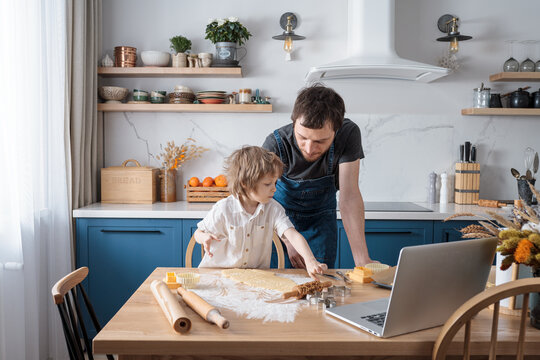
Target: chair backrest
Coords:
[(275, 239), (64, 294), (492, 296)]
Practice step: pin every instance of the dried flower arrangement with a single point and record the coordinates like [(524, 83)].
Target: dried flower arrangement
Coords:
[(174, 156), (519, 237)]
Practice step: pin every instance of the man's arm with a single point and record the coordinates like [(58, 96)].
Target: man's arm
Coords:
[(351, 206)]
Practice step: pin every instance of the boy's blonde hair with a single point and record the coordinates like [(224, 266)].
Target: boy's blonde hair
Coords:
[(247, 166)]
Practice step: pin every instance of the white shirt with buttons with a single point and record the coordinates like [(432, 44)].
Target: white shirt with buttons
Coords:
[(246, 239)]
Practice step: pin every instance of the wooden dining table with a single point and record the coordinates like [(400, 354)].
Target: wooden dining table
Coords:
[(139, 330)]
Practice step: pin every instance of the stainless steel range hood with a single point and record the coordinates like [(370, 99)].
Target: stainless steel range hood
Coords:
[(371, 49)]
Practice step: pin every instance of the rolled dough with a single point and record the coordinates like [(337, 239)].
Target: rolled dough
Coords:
[(260, 279)]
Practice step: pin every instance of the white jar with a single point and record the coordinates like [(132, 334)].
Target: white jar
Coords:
[(244, 96)]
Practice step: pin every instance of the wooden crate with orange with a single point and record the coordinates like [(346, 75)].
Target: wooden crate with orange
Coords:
[(209, 190)]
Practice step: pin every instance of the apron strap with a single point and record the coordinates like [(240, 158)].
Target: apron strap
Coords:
[(331, 156), (281, 149), (330, 160)]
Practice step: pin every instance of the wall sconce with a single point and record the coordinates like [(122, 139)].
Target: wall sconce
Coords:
[(288, 23), (449, 24)]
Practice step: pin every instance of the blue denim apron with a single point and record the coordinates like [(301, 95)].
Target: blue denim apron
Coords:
[(311, 207)]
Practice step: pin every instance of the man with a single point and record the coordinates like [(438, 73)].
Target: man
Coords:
[(321, 151)]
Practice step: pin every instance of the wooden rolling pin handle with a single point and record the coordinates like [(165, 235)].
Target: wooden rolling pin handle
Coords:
[(215, 317), (290, 294), (204, 309)]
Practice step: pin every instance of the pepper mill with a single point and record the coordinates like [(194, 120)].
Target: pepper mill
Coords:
[(432, 191), (444, 188)]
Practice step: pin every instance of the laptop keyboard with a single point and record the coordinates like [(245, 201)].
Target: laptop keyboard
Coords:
[(377, 319)]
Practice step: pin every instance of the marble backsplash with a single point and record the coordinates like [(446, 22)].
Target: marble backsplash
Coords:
[(400, 150)]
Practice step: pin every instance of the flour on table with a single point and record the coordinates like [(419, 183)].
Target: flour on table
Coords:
[(260, 279)]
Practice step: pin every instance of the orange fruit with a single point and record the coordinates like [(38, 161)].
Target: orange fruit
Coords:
[(208, 181), (194, 181), (221, 181)]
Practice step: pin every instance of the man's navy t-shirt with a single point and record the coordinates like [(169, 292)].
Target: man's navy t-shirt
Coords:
[(347, 148)]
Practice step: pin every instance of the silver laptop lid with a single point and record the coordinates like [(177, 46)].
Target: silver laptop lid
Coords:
[(432, 281)]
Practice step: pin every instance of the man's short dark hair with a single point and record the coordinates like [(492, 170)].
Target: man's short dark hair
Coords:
[(318, 104)]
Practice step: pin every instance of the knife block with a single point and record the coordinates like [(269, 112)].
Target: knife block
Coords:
[(467, 183)]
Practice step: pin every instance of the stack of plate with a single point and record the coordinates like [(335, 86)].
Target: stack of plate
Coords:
[(181, 98), (181, 95), (212, 97), (125, 56)]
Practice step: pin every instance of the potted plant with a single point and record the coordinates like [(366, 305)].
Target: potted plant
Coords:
[(226, 34), (180, 45)]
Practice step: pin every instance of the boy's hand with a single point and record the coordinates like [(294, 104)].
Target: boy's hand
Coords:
[(314, 267), (206, 240)]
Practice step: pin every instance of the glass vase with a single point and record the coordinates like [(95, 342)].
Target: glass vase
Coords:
[(535, 302), (167, 180)]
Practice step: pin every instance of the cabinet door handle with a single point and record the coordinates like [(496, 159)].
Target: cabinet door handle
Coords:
[(389, 232), (131, 231)]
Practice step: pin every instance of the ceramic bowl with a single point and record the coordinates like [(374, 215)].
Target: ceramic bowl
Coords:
[(140, 95), (155, 58), (112, 94), (183, 89)]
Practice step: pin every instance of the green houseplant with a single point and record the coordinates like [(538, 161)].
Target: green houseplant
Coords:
[(227, 30), (226, 34), (180, 44)]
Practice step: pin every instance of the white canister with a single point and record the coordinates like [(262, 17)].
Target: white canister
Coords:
[(244, 96)]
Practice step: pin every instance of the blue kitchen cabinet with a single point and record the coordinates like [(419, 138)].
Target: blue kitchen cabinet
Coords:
[(188, 228), (384, 240), (121, 253), (449, 231)]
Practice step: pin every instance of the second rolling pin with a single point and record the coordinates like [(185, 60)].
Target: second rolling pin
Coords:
[(491, 203), (172, 309), (204, 309)]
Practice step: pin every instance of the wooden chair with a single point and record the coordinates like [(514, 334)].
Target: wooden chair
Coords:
[(464, 314), (275, 239), (65, 297)]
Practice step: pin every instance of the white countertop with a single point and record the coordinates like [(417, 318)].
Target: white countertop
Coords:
[(185, 210)]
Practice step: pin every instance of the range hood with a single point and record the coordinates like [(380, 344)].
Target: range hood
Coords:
[(371, 52)]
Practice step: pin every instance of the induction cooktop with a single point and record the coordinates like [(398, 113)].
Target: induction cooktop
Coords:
[(381, 206)]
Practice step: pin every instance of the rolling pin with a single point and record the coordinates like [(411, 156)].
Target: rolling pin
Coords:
[(299, 291), (490, 203), (171, 307), (201, 307)]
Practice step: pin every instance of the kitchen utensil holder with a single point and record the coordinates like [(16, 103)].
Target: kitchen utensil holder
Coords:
[(467, 184)]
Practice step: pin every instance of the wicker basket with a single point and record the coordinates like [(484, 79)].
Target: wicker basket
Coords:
[(206, 194)]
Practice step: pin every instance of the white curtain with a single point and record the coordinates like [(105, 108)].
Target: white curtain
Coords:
[(35, 244)]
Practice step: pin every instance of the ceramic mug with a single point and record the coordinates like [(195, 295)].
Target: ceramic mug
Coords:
[(140, 95)]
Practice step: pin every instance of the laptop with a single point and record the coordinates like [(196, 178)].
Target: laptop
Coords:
[(430, 283)]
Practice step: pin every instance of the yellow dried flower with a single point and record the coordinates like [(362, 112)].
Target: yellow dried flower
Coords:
[(508, 233), (535, 239)]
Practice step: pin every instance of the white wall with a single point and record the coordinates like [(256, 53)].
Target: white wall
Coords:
[(408, 129)]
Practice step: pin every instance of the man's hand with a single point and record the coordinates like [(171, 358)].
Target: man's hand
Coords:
[(296, 259), (206, 240)]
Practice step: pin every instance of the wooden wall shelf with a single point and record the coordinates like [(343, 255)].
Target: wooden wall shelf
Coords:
[(515, 76), (169, 71), (195, 108), (501, 111)]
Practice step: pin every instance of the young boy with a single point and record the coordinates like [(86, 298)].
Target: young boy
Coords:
[(238, 230)]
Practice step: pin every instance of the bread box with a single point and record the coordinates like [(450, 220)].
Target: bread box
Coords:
[(129, 184)]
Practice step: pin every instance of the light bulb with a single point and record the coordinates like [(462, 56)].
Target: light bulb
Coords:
[(287, 45), (454, 46)]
